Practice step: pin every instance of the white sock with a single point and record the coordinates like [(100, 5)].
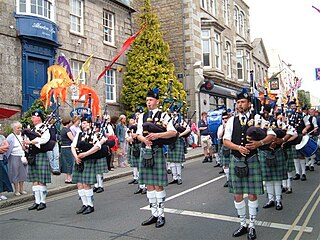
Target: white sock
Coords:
[(289, 180), (270, 190), (253, 209), (161, 197), (284, 183), (226, 172), (36, 193), (278, 190), (83, 197), (312, 160), (151, 195), (89, 196), (174, 171), (179, 170), (43, 193), (241, 211), (99, 180), (297, 165), (168, 165), (135, 173), (303, 166), (142, 186)]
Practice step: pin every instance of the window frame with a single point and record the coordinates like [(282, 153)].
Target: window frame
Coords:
[(217, 50), (113, 85), (81, 17), (204, 4), (240, 57), (226, 12), (112, 35), (248, 65), (228, 59), (50, 9), (208, 39)]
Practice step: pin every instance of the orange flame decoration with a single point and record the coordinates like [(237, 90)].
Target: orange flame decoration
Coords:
[(270, 96), (85, 90)]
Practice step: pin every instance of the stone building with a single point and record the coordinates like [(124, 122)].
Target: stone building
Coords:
[(34, 33)]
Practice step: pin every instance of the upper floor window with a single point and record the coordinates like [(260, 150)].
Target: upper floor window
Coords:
[(236, 20), (228, 59), (75, 68), (203, 4), (110, 84), (240, 64), (241, 24), (206, 48), (76, 16), (213, 7), (108, 27), (217, 50), (40, 8), (226, 12), (248, 65)]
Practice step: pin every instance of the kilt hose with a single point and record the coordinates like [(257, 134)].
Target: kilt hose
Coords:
[(176, 152), (40, 172), (88, 175), (157, 175), (132, 160), (252, 184), (274, 173), (289, 156), (224, 159), (101, 166)]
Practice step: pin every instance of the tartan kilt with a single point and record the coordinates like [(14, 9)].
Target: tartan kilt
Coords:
[(176, 155), (276, 173), (157, 175), (296, 154), (88, 176), (290, 162), (247, 185), (101, 165), (132, 160), (225, 161), (40, 172)]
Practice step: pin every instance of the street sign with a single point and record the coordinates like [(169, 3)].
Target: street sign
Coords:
[(81, 111)]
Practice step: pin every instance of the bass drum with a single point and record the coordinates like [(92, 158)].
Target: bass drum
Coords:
[(307, 147)]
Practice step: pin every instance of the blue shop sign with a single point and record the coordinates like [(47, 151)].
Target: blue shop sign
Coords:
[(36, 27), (81, 111)]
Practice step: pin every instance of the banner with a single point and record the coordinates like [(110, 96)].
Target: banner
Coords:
[(317, 73)]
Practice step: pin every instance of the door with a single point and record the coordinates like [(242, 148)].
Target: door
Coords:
[(35, 79)]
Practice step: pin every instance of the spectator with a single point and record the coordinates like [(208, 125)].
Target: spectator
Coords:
[(121, 130), (75, 128), (53, 155), (17, 168), (206, 141), (67, 159), (194, 134)]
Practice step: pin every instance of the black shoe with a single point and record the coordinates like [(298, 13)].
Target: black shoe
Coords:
[(221, 172), (269, 204), (174, 181), (226, 184), (100, 190), (307, 168), (217, 165), (95, 189), (240, 231), (252, 233), (205, 160), (144, 191), (284, 189), (139, 190), (82, 209), (296, 177), (149, 221), (179, 181), (41, 206), (318, 163), (312, 168), (303, 177), (56, 172), (279, 205), (210, 159), (34, 206), (169, 171), (160, 222), (134, 181), (88, 210), (289, 191)]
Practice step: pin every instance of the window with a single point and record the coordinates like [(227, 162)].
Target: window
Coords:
[(110, 81), (226, 12), (228, 59), (76, 16), (240, 64), (236, 23), (203, 4), (206, 49), (75, 68), (40, 8), (241, 24), (248, 66), (213, 7), (108, 27), (217, 50)]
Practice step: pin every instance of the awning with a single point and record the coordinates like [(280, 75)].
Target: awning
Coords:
[(6, 112), (221, 91)]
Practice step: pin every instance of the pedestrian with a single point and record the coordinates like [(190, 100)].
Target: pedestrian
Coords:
[(18, 170), (194, 134), (152, 167), (121, 130), (67, 159), (53, 155), (205, 138), (75, 127), (245, 172)]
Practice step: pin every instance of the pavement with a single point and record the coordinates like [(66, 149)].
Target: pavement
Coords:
[(58, 185)]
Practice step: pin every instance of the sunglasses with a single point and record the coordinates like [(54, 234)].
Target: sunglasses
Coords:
[(224, 118)]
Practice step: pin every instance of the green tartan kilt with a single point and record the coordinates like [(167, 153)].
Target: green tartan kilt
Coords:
[(40, 172), (276, 173), (101, 166), (289, 155), (176, 155), (225, 161), (132, 160), (252, 184), (88, 176), (157, 175)]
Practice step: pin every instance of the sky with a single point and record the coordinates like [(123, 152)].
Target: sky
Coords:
[(292, 28)]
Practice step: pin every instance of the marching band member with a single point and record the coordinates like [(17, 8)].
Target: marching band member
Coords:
[(152, 166), (39, 173)]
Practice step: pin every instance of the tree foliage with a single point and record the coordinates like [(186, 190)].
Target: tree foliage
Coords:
[(148, 64), (303, 99)]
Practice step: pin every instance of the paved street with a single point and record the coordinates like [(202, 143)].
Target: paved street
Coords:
[(200, 208)]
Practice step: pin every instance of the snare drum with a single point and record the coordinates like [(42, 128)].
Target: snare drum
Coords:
[(307, 147)]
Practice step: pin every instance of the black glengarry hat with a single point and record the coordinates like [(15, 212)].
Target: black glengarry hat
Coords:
[(154, 93), (38, 113), (243, 95)]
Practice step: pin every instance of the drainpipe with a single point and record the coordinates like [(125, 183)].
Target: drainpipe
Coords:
[(184, 44)]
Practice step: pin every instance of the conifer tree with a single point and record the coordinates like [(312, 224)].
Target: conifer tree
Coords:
[(148, 64)]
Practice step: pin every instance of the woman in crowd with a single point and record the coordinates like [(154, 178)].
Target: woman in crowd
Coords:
[(121, 130), (16, 159), (75, 126), (67, 159)]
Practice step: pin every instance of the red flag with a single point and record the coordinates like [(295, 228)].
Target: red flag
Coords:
[(316, 9), (126, 44)]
